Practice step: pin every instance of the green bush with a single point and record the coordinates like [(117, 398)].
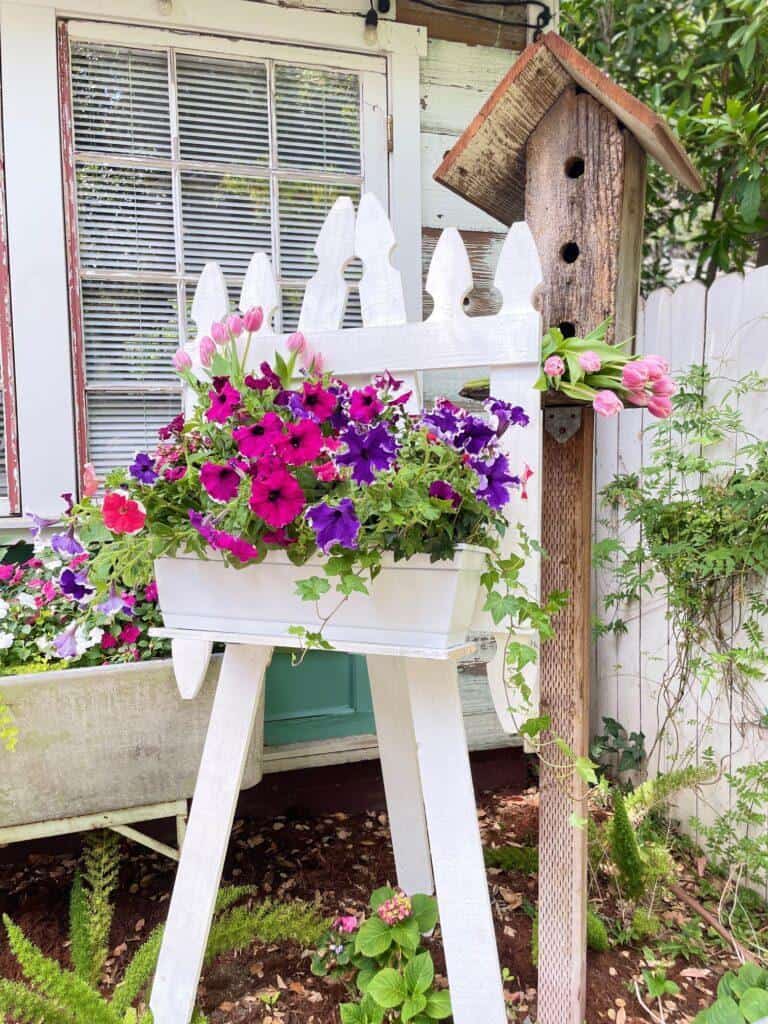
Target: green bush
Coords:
[(740, 997), (513, 858), (597, 935)]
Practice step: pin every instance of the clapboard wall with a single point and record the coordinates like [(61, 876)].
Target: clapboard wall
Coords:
[(726, 328)]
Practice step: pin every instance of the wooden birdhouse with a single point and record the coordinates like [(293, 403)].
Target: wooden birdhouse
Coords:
[(561, 146)]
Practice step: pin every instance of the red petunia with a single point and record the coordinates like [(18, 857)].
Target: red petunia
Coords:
[(122, 514)]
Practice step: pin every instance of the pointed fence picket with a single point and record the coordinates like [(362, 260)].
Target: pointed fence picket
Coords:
[(726, 329)]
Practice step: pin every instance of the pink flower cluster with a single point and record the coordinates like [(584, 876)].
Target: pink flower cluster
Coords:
[(397, 908), (649, 385)]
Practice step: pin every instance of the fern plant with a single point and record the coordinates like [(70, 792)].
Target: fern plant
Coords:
[(625, 850), (53, 995)]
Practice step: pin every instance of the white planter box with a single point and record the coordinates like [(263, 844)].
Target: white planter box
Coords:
[(104, 739), (412, 603)]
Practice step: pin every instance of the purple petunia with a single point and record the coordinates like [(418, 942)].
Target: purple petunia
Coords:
[(39, 523), (143, 468), (65, 644), (444, 419), (367, 451), (474, 435), (113, 603), (504, 415), (335, 524), (66, 544), (495, 481), (75, 585), (442, 489)]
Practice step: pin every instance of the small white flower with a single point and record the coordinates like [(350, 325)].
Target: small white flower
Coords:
[(43, 645), (26, 600), (94, 637), (3, 608), (6, 641)]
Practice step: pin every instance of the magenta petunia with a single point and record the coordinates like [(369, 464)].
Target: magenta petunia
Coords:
[(224, 400), (442, 489), (277, 498), (365, 404), (259, 437), (220, 482), (301, 443), (317, 402)]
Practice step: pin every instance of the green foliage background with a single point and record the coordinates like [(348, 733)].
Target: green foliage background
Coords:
[(701, 65)]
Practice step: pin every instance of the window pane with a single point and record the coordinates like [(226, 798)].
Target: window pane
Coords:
[(318, 119), (131, 332), (303, 207), (223, 114), (227, 219), (125, 217), (120, 100), (121, 425)]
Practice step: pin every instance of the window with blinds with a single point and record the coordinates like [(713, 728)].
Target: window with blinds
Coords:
[(180, 159)]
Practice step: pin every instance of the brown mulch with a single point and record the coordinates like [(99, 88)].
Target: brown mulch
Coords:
[(336, 859)]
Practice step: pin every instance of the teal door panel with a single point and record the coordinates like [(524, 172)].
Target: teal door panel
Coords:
[(327, 695)]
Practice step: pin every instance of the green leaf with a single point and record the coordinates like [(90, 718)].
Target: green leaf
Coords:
[(381, 895), (388, 988), (365, 977), (585, 768), (750, 201), (424, 911), (312, 589), (438, 1005), (351, 584), (373, 938), (724, 1011), (351, 1014), (754, 1004), (412, 1006), (406, 935), (533, 726), (419, 974)]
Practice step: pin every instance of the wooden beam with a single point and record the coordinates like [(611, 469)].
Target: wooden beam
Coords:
[(456, 27)]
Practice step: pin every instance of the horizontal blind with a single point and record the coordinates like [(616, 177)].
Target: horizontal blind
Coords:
[(181, 159)]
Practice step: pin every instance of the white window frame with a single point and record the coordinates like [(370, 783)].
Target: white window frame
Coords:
[(34, 180)]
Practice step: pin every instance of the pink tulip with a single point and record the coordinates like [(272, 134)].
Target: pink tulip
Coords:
[(590, 362), (253, 319), (206, 350), (219, 333), (664, 386), (638, 397), (182, 360), (660, 406), (90, 480), (657, 367), (235, 325), (554, 366), (296, 342), (634, 376), (313, 362), (607, 403)]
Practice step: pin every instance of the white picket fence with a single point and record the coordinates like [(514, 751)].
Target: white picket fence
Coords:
[(726, 328)]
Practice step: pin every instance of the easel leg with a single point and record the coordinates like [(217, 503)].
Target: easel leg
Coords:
[(469, 940), (235, 706), (400, 768)]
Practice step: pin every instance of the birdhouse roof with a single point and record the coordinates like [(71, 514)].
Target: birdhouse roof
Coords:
[(487, 164)]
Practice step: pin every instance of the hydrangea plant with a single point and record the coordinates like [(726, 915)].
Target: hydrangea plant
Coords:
[(290, 458)]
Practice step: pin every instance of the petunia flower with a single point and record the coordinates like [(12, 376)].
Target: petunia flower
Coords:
[(365, 404), (75, 585), (224, 400), (278, 537), (172, 429), (65, 643), (122, 514), (277, 498), (268, 379), (326, 472), (317, 402), (259, 437), (474, 435), (444, 419), (221, 483), (90, 480), (239, 548), (495, 481), (150, 592), (113, 603), (335, 524), (301, 443), (66, 544), (108, 641), (143, 468), (504, 415), (367, 451), (442, 489), (39, 523), (129, 634)]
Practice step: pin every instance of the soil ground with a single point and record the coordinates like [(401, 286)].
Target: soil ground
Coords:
[(337, 859)]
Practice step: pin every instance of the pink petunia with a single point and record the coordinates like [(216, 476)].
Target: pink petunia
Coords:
[(301, 443), (326, 471), (259, 437), (108, 641), (317, 402), (150, 592), (122, 514), (365, 404), (224, 400), (129, 634), (221, 483), (277, 498)]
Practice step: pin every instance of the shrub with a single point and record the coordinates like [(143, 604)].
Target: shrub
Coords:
[(740, 997)]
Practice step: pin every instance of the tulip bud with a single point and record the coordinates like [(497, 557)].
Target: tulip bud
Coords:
[(206, 350), (219, 333), (660, 406), (235, 325), (664, 386), (296, 342), (554, 366), (635, 375), (182, 360), (253, 319)]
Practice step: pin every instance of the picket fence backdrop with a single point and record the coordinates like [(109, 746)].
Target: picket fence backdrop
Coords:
[(725, 327)]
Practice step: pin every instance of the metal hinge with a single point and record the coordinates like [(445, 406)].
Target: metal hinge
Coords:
[(390, 133)]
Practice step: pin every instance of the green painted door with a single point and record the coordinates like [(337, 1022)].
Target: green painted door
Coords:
[(326, 696)]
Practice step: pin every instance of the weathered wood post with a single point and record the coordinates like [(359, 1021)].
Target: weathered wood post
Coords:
[(562, 145)]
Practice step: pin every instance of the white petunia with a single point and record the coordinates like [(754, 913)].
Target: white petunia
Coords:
[(6, 641), (26, 600), (4, 608)]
